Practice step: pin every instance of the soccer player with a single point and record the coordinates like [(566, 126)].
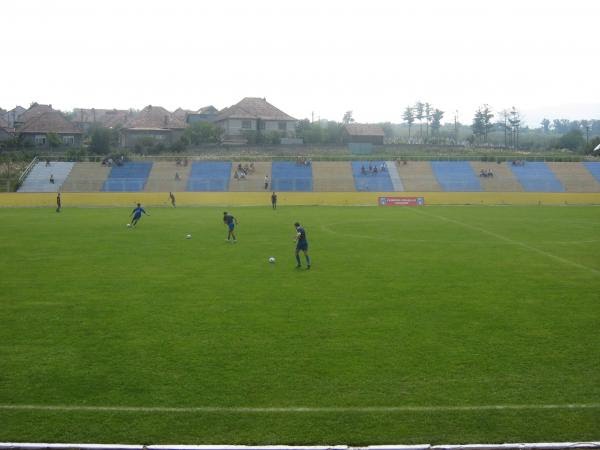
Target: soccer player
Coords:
[(172, 198), (301, 245), (231, 222), (274, 200), (58, 202), (137, 213)]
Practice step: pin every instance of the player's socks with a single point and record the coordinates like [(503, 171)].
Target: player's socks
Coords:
[(298, 261)]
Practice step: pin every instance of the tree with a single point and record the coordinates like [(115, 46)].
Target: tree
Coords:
[(348, 117), (419, 107), (100, 140), (503, 124), (545, 123), (486, 117), (514, 120), (436, 121), (409, 118), (54, 140), (428, 110), (478, 125), (573, 140), (203, 133)]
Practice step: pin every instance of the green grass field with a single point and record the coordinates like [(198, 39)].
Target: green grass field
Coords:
[(428, 325)]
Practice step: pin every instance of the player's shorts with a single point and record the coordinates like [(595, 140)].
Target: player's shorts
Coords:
[(137, 217), (231, 226), (302, 246)]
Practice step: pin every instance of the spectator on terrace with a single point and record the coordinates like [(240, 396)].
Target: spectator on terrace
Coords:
[(363, 171), (47, 163), (382, 168), (252, 167), (51, 179), (266, 182), (177, 177), (185, 162), (375, 170)]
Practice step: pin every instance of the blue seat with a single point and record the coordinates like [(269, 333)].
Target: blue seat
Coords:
[(370, 181), (128, 177), (594, 169), (537, 177), (456, 176), (209, 176), (290, 176)]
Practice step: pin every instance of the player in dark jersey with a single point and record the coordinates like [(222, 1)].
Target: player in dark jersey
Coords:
[(274, 200), (172, 198), (58, 202), (301, 245), (137, 213), (231, 222)]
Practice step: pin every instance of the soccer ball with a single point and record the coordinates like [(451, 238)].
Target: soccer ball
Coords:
[(128, 225), (189, 236), (272, 260)]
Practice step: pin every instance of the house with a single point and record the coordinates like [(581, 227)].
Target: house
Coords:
[(109, 118), (152, 122), (181, 114), (6, 131), (13, 115), (254, 114), (35, 110), (205, 114), (363, 133), (38, 129)]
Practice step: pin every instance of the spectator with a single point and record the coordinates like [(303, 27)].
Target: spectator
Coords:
[(51, 179), (266, 182)]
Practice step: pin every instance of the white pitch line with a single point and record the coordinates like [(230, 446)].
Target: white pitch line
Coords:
[(512, 241), (293, 409)]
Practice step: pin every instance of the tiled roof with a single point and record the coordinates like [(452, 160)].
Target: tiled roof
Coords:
[(35, 110), (180, 113), (49, 122), (105, 117), (364, 129), (154, 117), (253, 108), (3, 122)]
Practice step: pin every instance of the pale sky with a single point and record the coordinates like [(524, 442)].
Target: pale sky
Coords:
[(373, 57)]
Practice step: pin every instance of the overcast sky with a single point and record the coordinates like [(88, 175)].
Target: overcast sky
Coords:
[(373, 57)]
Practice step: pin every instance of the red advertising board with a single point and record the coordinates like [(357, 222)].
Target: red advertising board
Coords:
[(401, 201)]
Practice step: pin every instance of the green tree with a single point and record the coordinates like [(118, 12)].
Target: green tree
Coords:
[(428, 109), (573, 140), (348, 117), (100, 141), (54, 140), (409, 118), (545, 125), (436, 122), (514, 119), (419, 113), (203, 133)]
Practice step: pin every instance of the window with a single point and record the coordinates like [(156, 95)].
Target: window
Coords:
[(246, 124), (68, 140), (282, 126), (261, 125), (40, 139)]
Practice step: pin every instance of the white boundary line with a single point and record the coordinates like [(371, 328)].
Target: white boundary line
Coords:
[(515, 446), (512, 241), (292, 409)]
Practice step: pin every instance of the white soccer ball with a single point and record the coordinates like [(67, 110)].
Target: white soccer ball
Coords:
[(272, 260), (128, 225), (189, 236)]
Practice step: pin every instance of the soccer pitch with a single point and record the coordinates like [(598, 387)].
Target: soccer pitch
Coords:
[(414, 325)]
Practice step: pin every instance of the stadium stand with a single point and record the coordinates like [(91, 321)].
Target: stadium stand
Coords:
[(128, 177), (456, 176), (394, 175), (290, 176), (329, 176), (167, 177), (417, 176), (536, 177), (371, 181), (503, 180), (86, 177), (38, 179), (574, 176), (594, 169), (209, 176), (254, 181)]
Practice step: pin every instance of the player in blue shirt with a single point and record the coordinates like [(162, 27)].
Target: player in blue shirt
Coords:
[(231, 222), (137, 213), (301, 245)]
